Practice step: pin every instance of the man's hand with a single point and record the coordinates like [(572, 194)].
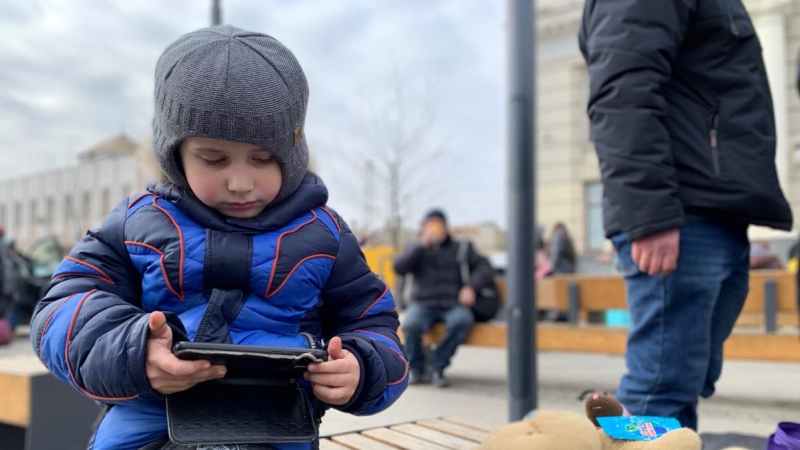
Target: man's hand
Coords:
[(467, 296), (657, 254), (428, 238), (168, 374), (334, 382)]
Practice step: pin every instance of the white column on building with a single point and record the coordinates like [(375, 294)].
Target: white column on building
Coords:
[(770, 24)]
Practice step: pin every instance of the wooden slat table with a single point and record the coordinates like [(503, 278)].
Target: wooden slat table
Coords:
[(433, 434)]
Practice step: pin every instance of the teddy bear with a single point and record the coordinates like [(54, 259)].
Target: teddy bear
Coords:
[(566, 430)]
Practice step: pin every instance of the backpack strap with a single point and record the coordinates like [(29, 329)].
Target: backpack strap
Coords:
[(463, 261)]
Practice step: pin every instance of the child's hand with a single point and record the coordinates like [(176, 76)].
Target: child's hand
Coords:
[(168, 374), (335, 381)]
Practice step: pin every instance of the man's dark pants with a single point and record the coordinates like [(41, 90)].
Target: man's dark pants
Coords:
[(458, 320)]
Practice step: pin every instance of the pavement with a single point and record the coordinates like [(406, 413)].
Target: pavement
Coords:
[(752, 397)]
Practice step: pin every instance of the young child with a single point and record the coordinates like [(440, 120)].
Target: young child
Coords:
[(238, 247)]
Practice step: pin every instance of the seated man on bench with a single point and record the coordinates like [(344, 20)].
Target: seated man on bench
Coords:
[(439, 295)]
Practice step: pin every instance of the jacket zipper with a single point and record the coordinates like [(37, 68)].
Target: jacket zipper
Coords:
[(311, 340), (714, 140), (731, 21)]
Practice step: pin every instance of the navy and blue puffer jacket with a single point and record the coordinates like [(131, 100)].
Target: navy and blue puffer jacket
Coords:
[(294, 271)]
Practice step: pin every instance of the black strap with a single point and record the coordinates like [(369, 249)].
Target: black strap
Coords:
[(463, 262)]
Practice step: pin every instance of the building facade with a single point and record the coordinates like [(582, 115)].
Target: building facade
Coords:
[(567, 173), (487, 238), (69, 201)]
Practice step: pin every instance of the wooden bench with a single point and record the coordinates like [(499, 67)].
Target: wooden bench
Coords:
[(37, 411), (612, 341), (771, 304), (434, 434)]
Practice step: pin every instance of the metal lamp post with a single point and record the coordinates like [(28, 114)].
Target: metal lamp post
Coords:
[(521, 163)]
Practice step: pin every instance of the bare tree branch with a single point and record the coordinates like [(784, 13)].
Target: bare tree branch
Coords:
[(396, 130)]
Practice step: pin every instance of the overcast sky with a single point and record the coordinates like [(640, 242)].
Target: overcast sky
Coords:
[(75, 72)]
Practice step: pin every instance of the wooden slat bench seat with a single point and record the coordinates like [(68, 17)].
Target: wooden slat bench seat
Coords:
[(432, 434)]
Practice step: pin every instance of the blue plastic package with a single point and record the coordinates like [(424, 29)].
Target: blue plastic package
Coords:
[(638, 428)]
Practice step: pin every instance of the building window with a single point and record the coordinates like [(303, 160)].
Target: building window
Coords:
[(595, 235), (49, 214), (34, 214), (17, 218), (107, 206), (86, 209), (35, 221), (68, 214), (69, 223)]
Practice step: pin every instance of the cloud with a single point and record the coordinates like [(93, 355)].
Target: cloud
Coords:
[(77, 71)]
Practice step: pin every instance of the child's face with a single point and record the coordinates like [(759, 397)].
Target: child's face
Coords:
[(238, 180)]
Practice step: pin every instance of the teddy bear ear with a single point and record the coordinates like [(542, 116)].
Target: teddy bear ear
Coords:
[(601, 405)]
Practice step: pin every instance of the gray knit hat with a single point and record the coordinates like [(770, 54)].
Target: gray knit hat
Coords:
[(226, 83)]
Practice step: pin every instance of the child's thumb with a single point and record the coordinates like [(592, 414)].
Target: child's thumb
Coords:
[(335, 348), (158, 325)]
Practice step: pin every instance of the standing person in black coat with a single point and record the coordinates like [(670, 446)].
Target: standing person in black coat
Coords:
[(683, 125), (439, 295)]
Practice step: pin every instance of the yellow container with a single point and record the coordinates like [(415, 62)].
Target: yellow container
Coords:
[(379, 260)]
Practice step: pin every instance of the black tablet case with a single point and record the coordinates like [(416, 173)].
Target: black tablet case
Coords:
[(259, 401)]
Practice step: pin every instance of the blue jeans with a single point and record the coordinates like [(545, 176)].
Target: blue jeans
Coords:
[(458, 320), (14, 317), (679, 322)]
